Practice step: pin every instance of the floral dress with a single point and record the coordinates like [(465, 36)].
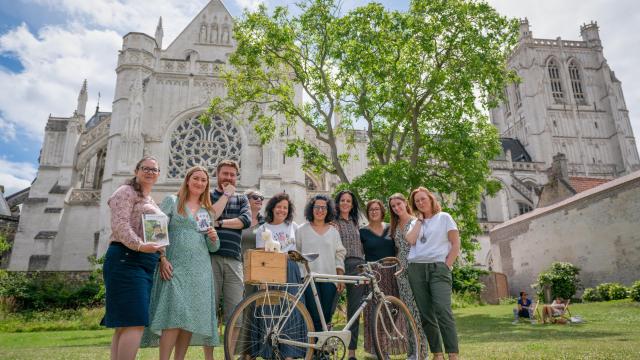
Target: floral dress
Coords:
[(406, 294)]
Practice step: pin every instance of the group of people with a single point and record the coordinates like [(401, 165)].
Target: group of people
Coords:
[(169, 296)]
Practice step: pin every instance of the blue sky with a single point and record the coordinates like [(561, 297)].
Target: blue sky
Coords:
[(47, 48)]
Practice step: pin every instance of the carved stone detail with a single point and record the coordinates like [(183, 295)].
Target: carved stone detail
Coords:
[(193, 143)]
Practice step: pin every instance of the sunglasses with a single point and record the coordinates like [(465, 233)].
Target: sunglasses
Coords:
[(257, 197), (319, 208)]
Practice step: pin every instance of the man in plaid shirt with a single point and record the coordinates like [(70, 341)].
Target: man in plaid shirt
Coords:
[(227, 261)]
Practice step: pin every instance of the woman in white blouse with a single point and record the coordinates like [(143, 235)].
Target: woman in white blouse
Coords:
[(435, 245)]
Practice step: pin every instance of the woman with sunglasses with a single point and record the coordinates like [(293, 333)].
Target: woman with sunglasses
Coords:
[(129, 263), (402, 220), (318, 236), (248, 240), (435, 246)]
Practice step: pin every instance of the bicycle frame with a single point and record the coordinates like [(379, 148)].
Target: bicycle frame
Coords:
[(321, 336)]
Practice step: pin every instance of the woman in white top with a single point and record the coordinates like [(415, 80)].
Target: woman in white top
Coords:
[(318, 236), (279, 221), (435, 245)]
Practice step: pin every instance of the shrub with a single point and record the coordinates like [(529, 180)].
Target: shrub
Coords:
[(466, 279), (460, 300), (634, 292), (591, 295), (618, 292), (33, 292), (603, 291), (563, 279), (507, 301)]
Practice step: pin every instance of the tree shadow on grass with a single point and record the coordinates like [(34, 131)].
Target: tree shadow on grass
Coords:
[(477, 328)]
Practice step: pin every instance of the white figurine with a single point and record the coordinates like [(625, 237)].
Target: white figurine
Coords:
[(270, 245)]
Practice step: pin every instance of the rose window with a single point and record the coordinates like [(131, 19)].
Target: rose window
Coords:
[(193, 143)]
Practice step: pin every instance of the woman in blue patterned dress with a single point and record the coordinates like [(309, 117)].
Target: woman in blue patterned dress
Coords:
[(182, 302)]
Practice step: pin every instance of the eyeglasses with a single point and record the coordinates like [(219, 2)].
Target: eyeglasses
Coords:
[(319, 208), (257, 197), (149, 170), (374, 210)]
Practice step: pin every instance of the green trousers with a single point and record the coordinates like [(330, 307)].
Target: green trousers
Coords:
[(431, 286)]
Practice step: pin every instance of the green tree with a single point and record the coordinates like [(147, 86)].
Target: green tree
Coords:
[(420, 81)]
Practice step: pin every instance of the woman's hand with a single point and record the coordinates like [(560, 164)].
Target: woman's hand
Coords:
[(340, 286), (212, 234), (166, 269), (151, 248)]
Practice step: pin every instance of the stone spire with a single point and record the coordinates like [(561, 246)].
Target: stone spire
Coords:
[(82, 99), (525, 31), (159, 33), (591, 34)]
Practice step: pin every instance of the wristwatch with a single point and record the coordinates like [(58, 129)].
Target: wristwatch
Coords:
[(219, 223)]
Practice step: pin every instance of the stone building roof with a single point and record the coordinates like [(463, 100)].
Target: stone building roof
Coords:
[(599, 190), (582, 183), (518, 152)]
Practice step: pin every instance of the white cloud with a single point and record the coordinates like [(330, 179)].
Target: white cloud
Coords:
[(15, 176), (7, 130), (55, 61), (249, 4)]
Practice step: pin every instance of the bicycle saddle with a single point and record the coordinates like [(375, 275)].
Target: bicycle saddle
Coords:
[(302, 258)]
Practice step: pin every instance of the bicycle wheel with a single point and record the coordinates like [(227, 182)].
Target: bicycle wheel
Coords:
[(263, 318), (395, 334)]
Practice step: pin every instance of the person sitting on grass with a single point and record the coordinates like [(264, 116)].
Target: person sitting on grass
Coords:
[(523, 310), (555, 309)]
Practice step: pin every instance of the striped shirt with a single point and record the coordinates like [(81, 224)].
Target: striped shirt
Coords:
[(230, 239)]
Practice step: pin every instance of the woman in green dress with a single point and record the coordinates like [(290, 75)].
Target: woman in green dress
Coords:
[(182, 300)]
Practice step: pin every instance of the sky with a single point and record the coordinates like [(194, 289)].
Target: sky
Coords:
[(48, 47)]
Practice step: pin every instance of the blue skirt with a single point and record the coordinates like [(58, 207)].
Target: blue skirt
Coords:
[(128, 278)]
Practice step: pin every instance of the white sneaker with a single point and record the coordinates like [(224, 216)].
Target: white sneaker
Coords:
[(515, 322)]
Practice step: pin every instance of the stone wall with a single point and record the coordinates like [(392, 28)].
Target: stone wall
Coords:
[(597, 230)]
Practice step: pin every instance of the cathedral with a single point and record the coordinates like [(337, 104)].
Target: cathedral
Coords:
[(568, 101)]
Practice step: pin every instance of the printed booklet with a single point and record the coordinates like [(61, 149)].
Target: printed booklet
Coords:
[(155, 228)]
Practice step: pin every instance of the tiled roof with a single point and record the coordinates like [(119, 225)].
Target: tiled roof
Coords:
[(581, 183)]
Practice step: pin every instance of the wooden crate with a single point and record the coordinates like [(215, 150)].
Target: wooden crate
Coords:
[(261, 267)]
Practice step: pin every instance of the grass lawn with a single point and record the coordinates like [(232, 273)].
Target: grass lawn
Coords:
[(611, 331)]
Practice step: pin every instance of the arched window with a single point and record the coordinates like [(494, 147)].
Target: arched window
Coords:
[(576, 82), (518, 96), (507, 106), (556, 82), (193, 143)]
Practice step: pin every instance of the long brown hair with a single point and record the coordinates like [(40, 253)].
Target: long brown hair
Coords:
[(183, 193), (133, 182), (395, 219), (435, 205)]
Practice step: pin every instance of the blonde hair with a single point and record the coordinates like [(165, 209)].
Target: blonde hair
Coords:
[(435, 205), (395, 219), (183, 193)]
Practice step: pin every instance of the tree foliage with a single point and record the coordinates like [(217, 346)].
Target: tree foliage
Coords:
[(419, 82)]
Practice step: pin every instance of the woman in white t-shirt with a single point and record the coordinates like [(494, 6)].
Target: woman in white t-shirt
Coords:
[(435, 245), (279, 221)]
